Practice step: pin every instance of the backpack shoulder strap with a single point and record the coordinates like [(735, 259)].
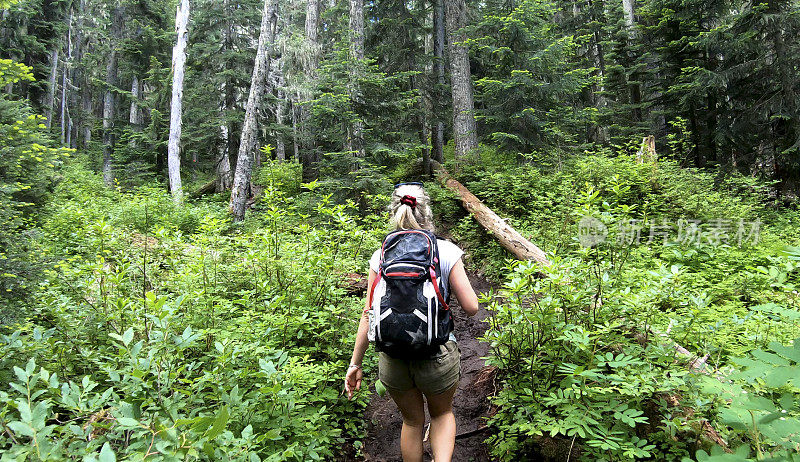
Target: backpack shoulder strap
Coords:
[(435, 283), (372, 290), (377, 278)]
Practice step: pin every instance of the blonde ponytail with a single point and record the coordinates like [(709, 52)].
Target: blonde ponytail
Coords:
[(404, 216)]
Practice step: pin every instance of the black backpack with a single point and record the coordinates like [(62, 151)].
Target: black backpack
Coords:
[(411, 318)]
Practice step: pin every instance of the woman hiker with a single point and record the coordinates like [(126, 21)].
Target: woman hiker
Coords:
[(436, 375)]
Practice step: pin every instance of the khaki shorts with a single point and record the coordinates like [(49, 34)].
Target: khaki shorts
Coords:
[(432, 376)]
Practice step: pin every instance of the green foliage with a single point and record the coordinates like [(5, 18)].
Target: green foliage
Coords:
[(528, 81), (157, 334), (280, 176), (580, 345), (28, 169), (759, 402), (577, 369)]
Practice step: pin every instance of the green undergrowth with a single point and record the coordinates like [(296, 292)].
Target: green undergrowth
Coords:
[(585, 349), (169, 333)]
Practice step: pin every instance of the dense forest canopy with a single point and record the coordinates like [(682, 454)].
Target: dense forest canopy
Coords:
[(189, 191), (713, 81)]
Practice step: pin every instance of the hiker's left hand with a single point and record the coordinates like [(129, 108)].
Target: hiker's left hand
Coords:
[(352, 381)]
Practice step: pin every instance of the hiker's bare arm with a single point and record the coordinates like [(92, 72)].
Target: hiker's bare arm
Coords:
[(354, 375), (361, 337), (460, 285)]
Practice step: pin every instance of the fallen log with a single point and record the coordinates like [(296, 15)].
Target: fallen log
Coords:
[(507, 236), (207, 188)]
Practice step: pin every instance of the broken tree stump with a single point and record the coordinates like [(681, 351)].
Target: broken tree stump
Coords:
[(647, 151)]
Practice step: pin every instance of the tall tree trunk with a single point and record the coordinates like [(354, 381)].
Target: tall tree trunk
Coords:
[(464, 128), (308, 150), (280, 106), (240, 191), (77, 77), (356, 140), (135, 118), (50, 97), (312, 35), (599, 64), (87, 111), (109, 101), (224, 178), (178, 67), (422, 127), (437, 135), (229, 102), (295, 123), (635, 88), (66, 123), (628, 10), (83, 78), (224, 175), (280, 119)]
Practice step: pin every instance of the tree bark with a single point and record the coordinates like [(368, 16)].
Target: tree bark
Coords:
[(311, 62), (464, 127), (87, 112), (109, 100), (78, 74), (599, 90), (240, 191), (280, 106), (507, 236), (356, 140), (229, 100), (134, 117), (437, 129), (312, 34), (50, 97), (635, 88), (280, 118), (66, 123), (627, 8), (178, 68), (295, 134), (224, 179), (422, 126)]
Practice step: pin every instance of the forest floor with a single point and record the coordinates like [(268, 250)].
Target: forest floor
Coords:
[(470, 405)]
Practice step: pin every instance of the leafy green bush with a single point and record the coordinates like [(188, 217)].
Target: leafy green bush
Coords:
[(585, 348), (759, 404), (28, 166), (580, 370), (172, 333)]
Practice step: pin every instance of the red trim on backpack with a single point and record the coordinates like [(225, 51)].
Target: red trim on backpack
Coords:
[(436, 288), (402, 275)]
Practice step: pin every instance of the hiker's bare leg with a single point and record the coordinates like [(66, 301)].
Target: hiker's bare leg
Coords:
[(443, 424), (412, 407)]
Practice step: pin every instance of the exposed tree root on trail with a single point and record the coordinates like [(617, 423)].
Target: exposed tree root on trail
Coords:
[(470, 404)]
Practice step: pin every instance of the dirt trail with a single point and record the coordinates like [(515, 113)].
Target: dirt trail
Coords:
[(470, 405)]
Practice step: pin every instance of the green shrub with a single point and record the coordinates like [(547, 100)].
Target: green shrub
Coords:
[(168, 331)]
